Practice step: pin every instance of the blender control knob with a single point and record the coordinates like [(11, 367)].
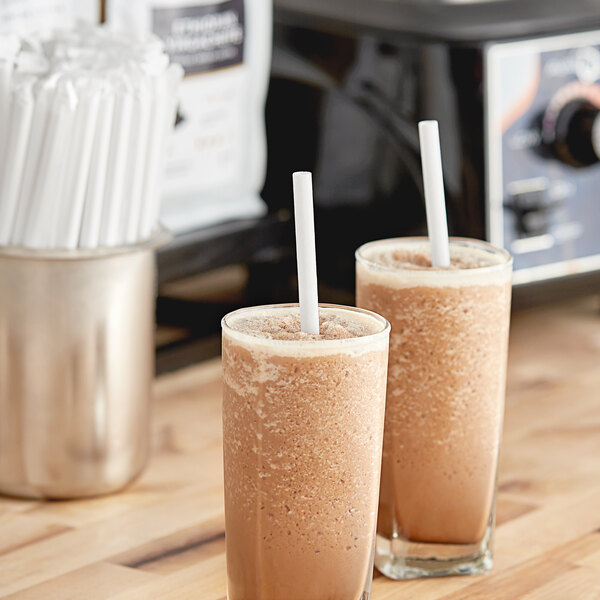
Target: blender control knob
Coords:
[(577, 133)]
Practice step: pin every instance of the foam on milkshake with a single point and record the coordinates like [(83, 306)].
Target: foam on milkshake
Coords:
[(277, 329), (406, 262)]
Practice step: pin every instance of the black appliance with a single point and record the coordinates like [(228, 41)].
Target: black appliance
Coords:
[(515, 86)]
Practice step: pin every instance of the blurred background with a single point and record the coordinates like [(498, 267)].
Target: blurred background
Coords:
[(337, 87)]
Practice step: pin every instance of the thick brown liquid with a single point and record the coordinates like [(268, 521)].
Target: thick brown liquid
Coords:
[(302, 446), (445, 402)]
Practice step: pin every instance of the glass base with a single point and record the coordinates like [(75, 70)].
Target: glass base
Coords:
[(398, 558)]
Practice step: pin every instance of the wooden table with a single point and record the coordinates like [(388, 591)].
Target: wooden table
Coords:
[(163, 538)]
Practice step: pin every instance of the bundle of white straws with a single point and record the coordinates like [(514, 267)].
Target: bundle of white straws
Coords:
[(85, 118)]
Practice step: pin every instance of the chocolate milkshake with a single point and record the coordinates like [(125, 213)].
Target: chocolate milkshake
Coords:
[(445, 400), (302, 434)]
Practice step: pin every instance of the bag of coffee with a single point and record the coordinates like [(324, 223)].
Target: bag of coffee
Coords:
[(217, 154)]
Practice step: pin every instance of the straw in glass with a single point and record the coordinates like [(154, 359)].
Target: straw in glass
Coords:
[(433, 182), (306, 252)]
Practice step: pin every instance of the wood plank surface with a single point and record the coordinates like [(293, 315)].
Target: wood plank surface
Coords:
[(163, 537)]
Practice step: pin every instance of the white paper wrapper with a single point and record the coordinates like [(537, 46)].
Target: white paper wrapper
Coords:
[(96, 184), (139, 136), (44, 94), (114, 192), (21, 114), (42, 220), (9, 47), (78, 162)]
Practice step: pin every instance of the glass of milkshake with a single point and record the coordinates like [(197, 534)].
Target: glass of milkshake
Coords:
[(303, 422), (445, 401)]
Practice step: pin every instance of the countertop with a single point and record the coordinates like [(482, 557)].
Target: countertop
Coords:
[(163, 537)]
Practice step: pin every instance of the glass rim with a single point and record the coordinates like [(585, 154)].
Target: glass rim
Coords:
[(316, 343), (454, 241)]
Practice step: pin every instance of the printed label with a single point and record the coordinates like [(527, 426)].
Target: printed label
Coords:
[(202, 38)]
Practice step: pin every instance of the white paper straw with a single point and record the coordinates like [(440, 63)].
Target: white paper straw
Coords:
[(37, 135), (433, 182), (114, 193), (94, 195), (78, 166), (140, 132), (150, 193), (5, 99), (12, 173), (42, 218), (9, 46), (55, 196), (305, 252)]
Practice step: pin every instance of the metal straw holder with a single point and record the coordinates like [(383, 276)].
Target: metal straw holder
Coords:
[(76, 368)]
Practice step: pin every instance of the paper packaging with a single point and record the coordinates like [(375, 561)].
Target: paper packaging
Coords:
[(217, 154)]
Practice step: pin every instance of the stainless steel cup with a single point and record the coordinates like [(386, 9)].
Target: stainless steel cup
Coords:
[(76, 368)]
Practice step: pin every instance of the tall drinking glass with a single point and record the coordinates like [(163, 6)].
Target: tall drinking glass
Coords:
[(303, 422), (445, 401)]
